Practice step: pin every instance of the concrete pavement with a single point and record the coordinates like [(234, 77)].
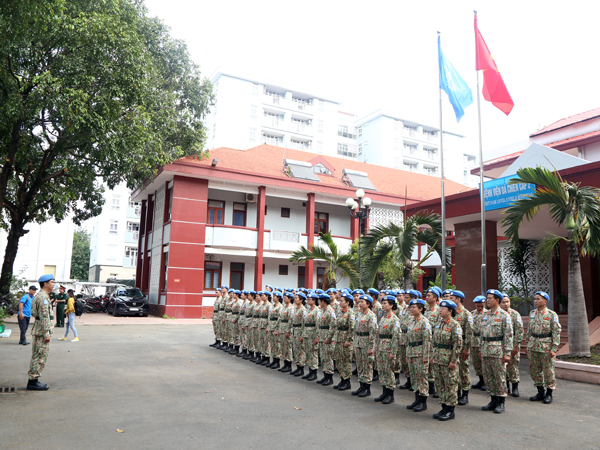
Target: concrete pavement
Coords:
[(165, 388)]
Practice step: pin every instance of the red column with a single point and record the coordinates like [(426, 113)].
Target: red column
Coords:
[(141, 242), (310, 231), (260, 226), (185, 282), (354, 229), (146, 264), (366, 226)]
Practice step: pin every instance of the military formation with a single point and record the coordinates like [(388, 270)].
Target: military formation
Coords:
[(432, 340)]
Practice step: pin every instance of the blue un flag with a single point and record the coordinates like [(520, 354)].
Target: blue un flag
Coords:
[(451, 82)]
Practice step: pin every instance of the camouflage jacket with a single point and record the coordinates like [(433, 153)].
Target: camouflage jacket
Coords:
[(285, 319), (405, 317), (311, 317), (236, 310), (247, 314), (418, 337), (378, 311), (388, 334), (326, 324), (274, 315), (255, 322), (465, 320), (344, 325), (447, 342), (433, 315), (476, 330), (264, 315), (365, 330), (517, 323), (40, 309), (543, 332), (496, 334), (297, 318)]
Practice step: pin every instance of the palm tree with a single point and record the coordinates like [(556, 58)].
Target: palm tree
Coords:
[(400, 241), (578, 208), (344, 262)]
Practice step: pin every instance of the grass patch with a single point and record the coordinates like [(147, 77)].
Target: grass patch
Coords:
[(594, 359)]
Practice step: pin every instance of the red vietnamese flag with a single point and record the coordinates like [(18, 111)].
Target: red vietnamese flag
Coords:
[(494, 89)]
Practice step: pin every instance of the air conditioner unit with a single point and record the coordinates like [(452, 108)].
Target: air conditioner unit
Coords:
[(300, 106), (250, 198)]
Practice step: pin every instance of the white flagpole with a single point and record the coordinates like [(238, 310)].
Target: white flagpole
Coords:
[(443, 198)]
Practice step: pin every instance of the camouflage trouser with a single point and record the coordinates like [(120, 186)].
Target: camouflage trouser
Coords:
[(541, 366), (39, 356), (299, 353), (343, 359), (326, 351), (275, 346), (385, 368), (286, 347), (401, 362), (251, 339), (418, 375), (225, 327), (464, 375), (215, 326), (476, 360), (312, 352), (512, 369), (364, 365), (264, 342), (431, 374), (446, 383), (236, 330), (494, 375)]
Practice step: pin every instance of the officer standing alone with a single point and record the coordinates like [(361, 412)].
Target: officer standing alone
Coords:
[(42, 333)]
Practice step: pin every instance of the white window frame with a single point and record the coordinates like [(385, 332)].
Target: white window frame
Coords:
[(255, 88), (252, 134), (253, 111), (113, 227), (320, 126), (321, 105), (359, 131), (115, 204)]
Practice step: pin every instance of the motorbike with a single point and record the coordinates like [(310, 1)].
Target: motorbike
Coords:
[(95, 304), (6, 303)]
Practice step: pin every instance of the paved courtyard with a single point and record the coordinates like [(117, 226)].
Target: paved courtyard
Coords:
[(165, 388)]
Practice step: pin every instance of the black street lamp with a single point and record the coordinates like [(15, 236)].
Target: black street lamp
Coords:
[(359, 210)]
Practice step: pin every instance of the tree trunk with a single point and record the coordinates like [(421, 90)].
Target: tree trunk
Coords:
[(579, 335), (408, 280), (12, 245)]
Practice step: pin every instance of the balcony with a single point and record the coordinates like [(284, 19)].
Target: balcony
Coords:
[(415, 153), (300, 127), (232, 237), (133, 212), (272, 122), (297, 145), (131, 237), (291, 104), (129, 262)]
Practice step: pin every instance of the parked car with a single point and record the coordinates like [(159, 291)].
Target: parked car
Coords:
[(128, 302)]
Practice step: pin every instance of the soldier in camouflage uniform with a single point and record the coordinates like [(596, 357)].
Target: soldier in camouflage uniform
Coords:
[(246, 317), (477, 314), (465, 320), (326, 326), (364, 341), (496, 345), (447, 345), (285, 332), (234, 320), (255, 322), (272, 327), (226, 321), (418, 342), (262, 329), (215, 318), (432, 313), (512, 368), (386, 347), (297, 319), (405, 317), (376, 308), (220, 317), (344, 347), (543, 339), (310, 335), (42, 333)]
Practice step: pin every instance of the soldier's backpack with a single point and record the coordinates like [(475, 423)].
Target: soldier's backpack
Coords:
[(79, 307)]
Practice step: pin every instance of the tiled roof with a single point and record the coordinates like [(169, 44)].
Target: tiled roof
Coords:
[(571, 120), (574, 139), (268, 160)]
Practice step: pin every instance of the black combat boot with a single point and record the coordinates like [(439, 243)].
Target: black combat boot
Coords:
[(359, 390), (248, 355), (375, 375), (422, 405), (265, 361), (548, 396), (443, 411), (312, 375), (295, 371), (388, 398), (464, 399), (237, 350), (500, 406), (304, 377), (382, 396), (275, 364), (397, 378), (515, 390), (491, 405), (231, 349), (539, 396), (35, 385), (366, 392), (211, 345), (432, 391), (346, 385), (483, 388), (259, 358), (286, 367), (479, 384), (300, 372), (507, 387), (227, 347), (406, 385), (448, 414), (322, 380), (328, 380), (337, 386), (413, 404), (458, 394)]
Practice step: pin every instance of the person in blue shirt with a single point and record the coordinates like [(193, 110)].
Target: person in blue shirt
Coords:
[(25, 313)]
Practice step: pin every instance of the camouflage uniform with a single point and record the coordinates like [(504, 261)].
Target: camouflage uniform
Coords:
[(236, 309), (512, 368), (465, 320), (255, 322), (496, 342), (297, 317), (364, 340), (401, 362), (228, 332), (418, 341), (285, 326), (447, 346), (262, 330), (310, 334), (215, 317), (246, 318), (476, 340), (433, 315), (388, 337), (42, 329), (326, 324), (275, 341), (543, 336), (378, 311), (344, 325)]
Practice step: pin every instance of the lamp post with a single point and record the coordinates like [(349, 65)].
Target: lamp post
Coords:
[(359, 210)]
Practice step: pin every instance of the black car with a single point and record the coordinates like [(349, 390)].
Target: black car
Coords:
[(128, 302)]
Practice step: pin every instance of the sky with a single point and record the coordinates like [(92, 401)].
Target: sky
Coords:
[(383, 54)]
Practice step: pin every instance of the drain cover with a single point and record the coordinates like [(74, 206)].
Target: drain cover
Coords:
[(8, 390)]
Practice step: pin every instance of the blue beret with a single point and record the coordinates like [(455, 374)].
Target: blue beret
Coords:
[(418, 301), (237, 292), (458, 294), (543, 294), (46, 277), (447, 291), (347, 296), (323, 297), (496, 293), (366, 298), (448, 304), (415, 293), (373, 291), (331, 291), (319, 291), (314, 295), (302, 295), (390, 298), (231, 291), (277, 289), (433, 291), (288, 294), (224, 286), (267, 293), (277, 294), (385, 292), (251, 292), (358, 291), (479, 299), (269, 286)]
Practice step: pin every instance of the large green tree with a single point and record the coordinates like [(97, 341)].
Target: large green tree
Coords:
[(90, 91), (80, 258), (575, 208)]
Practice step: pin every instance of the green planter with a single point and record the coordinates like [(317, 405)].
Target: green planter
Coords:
[(2, 328)]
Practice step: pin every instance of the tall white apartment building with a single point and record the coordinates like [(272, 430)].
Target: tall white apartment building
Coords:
[(114, 239), (251, 110)]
